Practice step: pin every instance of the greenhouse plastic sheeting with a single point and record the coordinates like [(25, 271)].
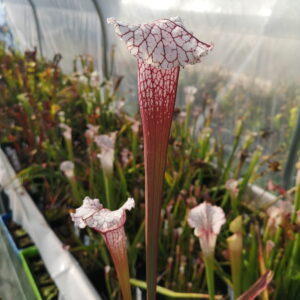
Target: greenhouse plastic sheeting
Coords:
[(67, 27), (63, 268), (257, 38)]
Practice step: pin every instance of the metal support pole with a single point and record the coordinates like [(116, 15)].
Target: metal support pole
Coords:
[(37, 25), (104, 39), (292, 157)]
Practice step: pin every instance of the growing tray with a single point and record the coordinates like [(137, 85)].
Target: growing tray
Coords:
[(38, 277), (17, 236)]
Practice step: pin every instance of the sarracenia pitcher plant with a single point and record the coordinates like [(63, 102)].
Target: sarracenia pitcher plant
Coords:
[(161, 48), (110, 224), (207, 220)]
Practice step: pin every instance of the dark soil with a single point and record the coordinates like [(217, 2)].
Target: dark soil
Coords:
[(44, 282), (20, 236)]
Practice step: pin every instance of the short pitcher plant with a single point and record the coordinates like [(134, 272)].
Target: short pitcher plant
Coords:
[(110, 224), (161, 48), (207, 220)]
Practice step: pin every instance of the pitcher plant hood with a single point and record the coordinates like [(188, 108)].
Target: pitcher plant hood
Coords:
[(164, 43), (92, 214), (207, 220)]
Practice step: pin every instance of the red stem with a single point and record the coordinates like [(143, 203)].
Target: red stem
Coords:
[(157, 95)]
